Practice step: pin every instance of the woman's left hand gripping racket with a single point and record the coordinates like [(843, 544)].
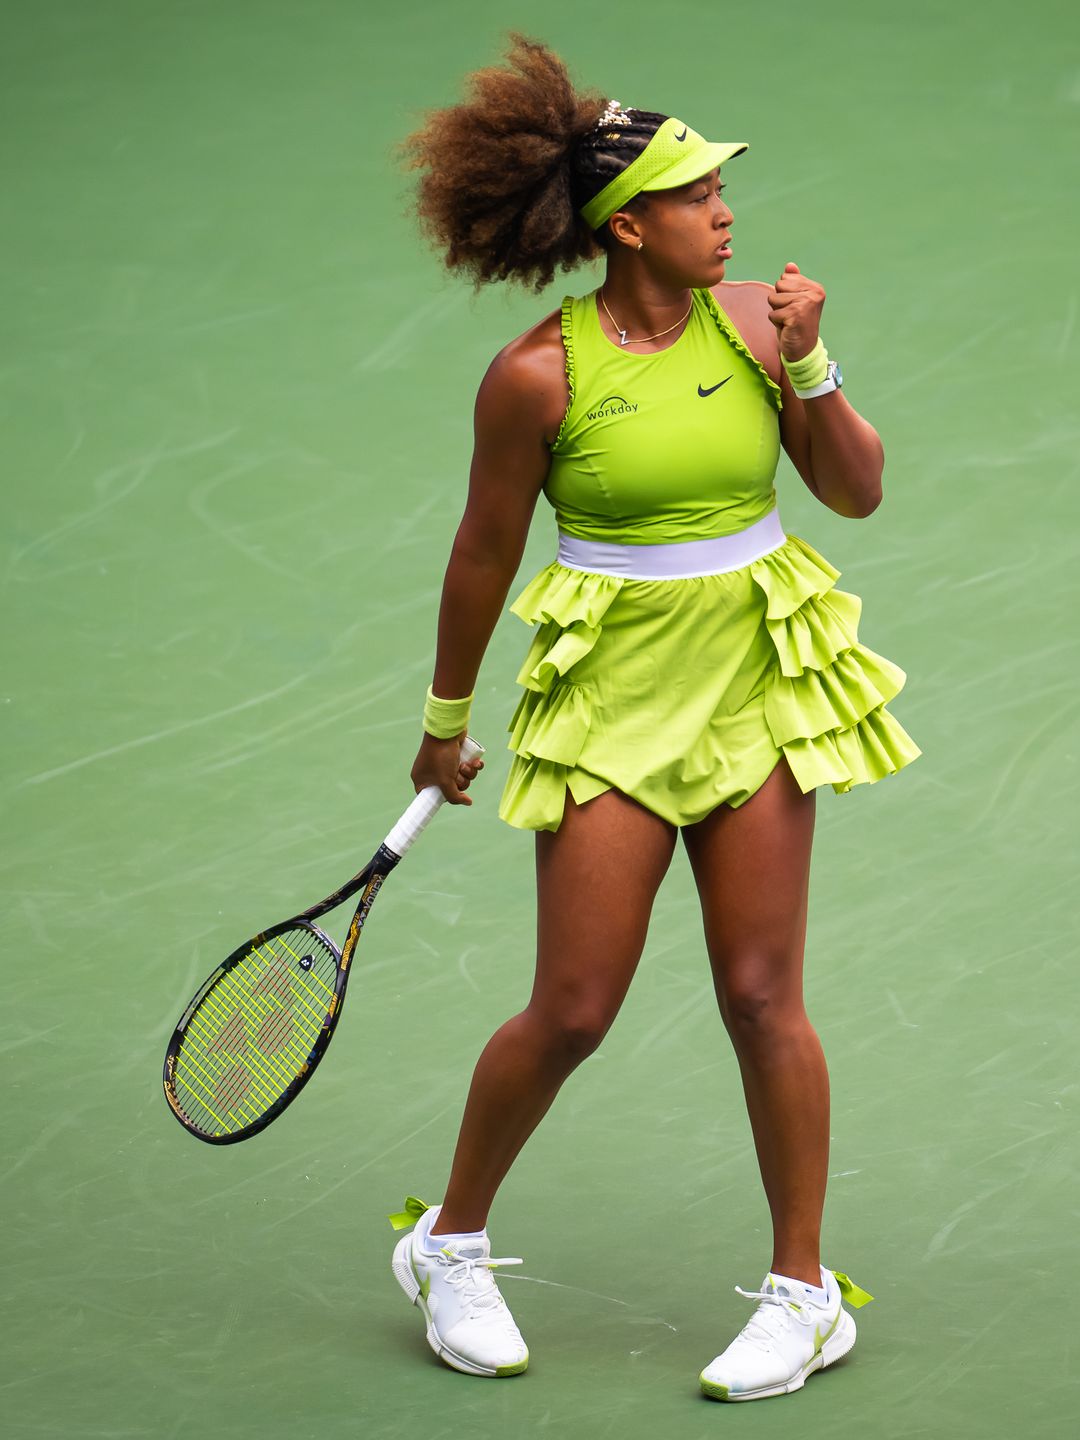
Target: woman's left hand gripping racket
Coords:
[(253, 1034)]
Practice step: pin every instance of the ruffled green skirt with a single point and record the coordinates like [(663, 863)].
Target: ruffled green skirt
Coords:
[(684, 694)]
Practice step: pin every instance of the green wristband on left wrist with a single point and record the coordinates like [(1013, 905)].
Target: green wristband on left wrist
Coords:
[(810, 370)]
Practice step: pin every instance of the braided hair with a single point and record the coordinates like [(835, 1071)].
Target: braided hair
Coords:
[(504, 174)]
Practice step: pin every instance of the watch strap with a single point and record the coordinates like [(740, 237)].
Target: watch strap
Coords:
[(832, 381)]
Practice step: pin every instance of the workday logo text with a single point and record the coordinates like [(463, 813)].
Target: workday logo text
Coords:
[(612, 406)]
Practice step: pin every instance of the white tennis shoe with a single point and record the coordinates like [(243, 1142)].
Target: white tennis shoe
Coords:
[(787, 1338), (469, 1324)]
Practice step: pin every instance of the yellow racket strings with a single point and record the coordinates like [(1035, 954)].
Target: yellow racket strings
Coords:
[(252, 1032)]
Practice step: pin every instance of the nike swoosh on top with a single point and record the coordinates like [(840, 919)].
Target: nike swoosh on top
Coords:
[(712, 388), (686, 131)]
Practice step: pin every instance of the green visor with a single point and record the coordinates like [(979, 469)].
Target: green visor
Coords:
[(674, 156)]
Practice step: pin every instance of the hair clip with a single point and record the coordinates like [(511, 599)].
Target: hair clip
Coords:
[(615, 114)]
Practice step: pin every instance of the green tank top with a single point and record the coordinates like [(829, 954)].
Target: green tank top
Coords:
[(679, 445)]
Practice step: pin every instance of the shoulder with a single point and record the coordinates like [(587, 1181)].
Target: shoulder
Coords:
[(526, 380), (746, 304), (742, 294), (530, 358)]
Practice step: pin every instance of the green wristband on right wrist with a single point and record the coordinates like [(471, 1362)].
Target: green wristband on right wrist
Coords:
[(444, 719)]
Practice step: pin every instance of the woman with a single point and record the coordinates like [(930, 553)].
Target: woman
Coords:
[(694, 668)]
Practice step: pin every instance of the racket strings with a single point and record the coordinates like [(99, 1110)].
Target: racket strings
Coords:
[(247, 1042), (252, 1033)]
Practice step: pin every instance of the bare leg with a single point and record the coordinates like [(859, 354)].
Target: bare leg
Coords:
[(752, 869), (597, 877)]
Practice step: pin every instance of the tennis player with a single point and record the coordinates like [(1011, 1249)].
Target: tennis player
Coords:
[(694, 669)]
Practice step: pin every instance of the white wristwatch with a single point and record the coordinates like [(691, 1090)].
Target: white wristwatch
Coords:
[(833, 380)]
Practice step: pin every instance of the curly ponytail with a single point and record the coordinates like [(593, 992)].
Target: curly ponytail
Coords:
[(504, 174)]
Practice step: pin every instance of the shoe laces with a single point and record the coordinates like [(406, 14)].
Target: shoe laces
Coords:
[(471, 1274), (772, 1318)]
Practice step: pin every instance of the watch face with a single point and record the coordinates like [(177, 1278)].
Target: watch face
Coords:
[(838, 374)]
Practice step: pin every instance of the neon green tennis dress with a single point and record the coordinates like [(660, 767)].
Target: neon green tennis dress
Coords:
[(684, 693)]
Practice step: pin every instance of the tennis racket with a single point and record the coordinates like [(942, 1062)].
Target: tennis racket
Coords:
[(251, 1037)]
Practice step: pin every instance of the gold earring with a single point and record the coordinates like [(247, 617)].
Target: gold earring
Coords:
[(641, 244)]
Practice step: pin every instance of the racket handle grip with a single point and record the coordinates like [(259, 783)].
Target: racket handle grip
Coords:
[(426, 805)]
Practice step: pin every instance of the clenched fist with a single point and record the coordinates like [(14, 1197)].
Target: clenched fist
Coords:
[(795, 309)]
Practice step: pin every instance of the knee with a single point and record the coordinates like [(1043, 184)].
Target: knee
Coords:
[(569, 1034), (757, 1010)]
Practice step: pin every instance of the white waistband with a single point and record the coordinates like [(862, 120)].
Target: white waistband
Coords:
[(680, 560)]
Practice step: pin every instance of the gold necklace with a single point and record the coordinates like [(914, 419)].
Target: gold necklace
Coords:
[(622, 333)]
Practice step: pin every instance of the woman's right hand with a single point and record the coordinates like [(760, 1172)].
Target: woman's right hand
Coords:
[(439, 762)]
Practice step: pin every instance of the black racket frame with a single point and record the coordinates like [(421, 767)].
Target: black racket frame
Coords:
[(369, 880)]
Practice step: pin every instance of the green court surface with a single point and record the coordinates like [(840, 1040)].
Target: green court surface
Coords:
[(237, 395)]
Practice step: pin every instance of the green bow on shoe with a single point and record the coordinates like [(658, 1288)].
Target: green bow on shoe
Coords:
[(851, 1292), (414, 1208)]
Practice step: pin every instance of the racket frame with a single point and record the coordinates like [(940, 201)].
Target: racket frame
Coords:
[(369, 880), (424, 807)]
